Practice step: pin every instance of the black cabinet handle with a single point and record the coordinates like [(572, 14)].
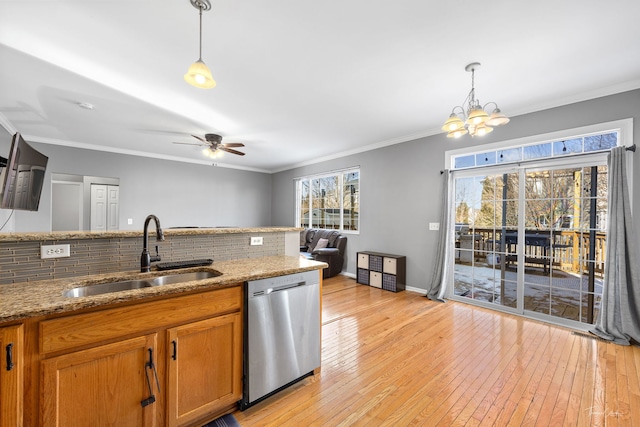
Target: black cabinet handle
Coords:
[(147, 366), (174, 356), (9, 350)]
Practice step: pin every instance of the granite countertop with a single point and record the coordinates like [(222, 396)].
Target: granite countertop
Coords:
[(32, 299), (68, 235)]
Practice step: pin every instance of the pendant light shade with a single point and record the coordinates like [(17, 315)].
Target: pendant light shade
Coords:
[(477, 116), (497, 118), (471, 117), (199, 75), (453, 123)]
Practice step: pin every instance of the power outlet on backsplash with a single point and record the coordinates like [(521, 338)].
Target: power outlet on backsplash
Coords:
[(55, 251)]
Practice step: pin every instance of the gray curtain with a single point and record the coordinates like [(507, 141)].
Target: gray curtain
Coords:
[(619, 317), (435, 290)]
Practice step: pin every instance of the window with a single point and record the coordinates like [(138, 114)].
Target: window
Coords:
[(531, 223), (598, 142), (329, 200)]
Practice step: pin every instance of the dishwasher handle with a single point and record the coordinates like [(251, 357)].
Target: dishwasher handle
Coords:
[(279, 289)]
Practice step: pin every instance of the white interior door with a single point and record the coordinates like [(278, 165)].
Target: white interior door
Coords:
[(98, 207), (105, 207)]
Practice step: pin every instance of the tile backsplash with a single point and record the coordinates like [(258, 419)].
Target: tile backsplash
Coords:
[(20, 260)]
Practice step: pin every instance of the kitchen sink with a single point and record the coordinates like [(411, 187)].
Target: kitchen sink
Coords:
[(127, 285)]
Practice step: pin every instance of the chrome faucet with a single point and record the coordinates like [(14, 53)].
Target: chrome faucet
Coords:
[(146, 259)]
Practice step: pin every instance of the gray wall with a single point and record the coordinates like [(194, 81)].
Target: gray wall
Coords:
[(400, 188), (180, 194), (400, 185)]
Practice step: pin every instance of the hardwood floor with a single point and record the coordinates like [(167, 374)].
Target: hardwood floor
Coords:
[(399, 359)]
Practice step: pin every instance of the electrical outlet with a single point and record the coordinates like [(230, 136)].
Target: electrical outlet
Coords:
[(256, 241), (129, 221), (434, 226), (55, 251)]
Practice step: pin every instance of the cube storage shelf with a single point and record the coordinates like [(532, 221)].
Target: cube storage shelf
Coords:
[(380, 270)]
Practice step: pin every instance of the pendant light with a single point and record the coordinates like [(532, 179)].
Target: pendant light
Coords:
[(199, 74), (472, 118)]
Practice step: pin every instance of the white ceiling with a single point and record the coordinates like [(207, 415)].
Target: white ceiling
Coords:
[(297, 80)]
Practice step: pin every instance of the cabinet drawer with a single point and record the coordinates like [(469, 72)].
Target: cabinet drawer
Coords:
[(89, 328), (363, 276), (390, 265), (375, 279), (363, 261), (375, 263), (390, 283)]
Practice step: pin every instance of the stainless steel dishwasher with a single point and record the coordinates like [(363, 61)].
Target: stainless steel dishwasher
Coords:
[(281, 334)]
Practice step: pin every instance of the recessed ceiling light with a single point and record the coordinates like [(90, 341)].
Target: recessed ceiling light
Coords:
[(85, 105)]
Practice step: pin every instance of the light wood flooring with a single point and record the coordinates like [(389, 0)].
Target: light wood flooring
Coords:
[(398, 359)]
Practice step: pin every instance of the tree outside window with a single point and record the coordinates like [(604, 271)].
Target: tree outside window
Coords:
[(329, 201)]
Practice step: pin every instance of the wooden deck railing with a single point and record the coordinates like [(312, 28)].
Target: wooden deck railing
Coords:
[(569, 249)]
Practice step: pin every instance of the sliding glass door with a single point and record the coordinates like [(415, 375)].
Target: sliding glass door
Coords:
[(565, 233), (486, 208), (531, 240)]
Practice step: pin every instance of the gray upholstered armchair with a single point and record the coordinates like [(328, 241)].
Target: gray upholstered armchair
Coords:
[(324, 246)]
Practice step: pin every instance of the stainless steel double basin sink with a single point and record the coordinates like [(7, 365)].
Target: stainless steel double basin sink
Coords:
[(127, 285)]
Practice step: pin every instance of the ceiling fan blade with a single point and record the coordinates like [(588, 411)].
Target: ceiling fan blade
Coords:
[(200, 138), (233, 144), (231, 150), (188, 143)]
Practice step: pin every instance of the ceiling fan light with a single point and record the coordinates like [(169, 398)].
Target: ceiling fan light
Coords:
[(200, 76), (497, 118), (477, 116), (453, 123)]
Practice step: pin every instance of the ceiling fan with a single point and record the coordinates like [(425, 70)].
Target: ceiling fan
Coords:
[(213, 144)]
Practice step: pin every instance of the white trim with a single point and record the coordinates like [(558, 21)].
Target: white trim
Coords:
[(5, 123), (85, 146), (329, 173), (624, 126), (414, 289), (370, 147)]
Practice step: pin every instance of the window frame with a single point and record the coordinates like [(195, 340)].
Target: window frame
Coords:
[(624, 127), (340, 173)]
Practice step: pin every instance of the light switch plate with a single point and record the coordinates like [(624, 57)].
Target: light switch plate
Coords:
[(55, 251), (434, 226), (255, 241)]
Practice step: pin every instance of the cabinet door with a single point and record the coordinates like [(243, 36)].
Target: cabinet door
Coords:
[(11, 372), (101, 386), (205, 368)]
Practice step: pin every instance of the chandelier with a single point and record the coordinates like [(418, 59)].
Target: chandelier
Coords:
[(471, 117), (199, 74)]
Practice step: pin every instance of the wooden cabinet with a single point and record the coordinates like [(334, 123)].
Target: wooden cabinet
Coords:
[(380, 270), (107, 385), (174, 361), (205, 368), (11, 376)]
